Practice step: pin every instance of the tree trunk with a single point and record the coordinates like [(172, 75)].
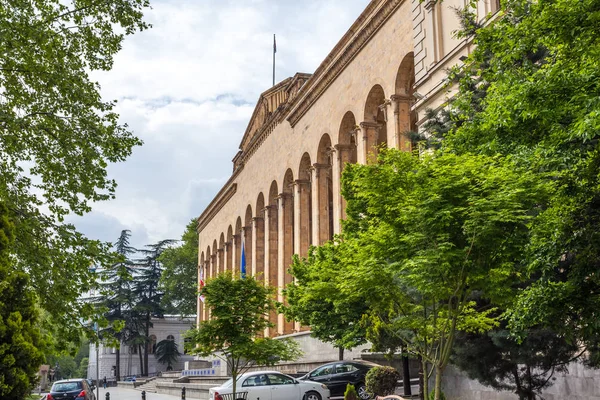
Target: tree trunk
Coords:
[(341, 353), (406, 374), (438, 383), (141, 359), (118, 360), (147, 334), (423, 382)]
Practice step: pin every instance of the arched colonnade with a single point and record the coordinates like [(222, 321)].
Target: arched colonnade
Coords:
[(301, 209)]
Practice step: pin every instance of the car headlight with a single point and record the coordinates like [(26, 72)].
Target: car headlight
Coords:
[(323, 386)]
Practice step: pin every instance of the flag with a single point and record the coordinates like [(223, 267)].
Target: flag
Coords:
[(243, 261), (274, 44), (201, 285)]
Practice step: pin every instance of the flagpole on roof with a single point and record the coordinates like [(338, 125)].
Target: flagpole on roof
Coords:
[(274, 51)]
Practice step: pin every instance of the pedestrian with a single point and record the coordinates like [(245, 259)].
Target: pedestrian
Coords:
[(104, 382)]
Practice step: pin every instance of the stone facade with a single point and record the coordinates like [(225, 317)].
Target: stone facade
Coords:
[(164, 328), (284, 193)]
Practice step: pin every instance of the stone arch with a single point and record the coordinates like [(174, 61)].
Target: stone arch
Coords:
[(209, 271), (303, 210), (214, 260), (374, 125), (247, 239), (238, 246), (228, 250), (323, 185), (405, 120), (221, 253), (258, 263)]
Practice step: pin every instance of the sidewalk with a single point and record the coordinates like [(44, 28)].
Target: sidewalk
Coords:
[(117, 393)]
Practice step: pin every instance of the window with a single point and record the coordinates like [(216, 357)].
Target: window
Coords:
[(186, 344), (345, 368), (324, 370), (277, 379), (171, 338), (133, 349), (256, 380)]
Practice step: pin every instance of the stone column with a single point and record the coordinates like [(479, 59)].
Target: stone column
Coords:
[(281, 256), (258, 246), (320, 203), (370, 132), (235, 262), (271, 233), (208, 268), (220, 261), (302, 217), (227, 254), (402, 123), (336, 175)]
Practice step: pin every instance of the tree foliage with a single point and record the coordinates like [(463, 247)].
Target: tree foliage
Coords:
[(239, 310), (315, 298), (179, 265), (21, 342), (427, 235), (167, 352), (497, 359), (57, 137), (531, 91)]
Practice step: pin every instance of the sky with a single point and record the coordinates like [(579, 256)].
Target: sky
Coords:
[(187, 88)]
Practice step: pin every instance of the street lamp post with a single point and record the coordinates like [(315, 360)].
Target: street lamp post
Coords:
[(97, 364)]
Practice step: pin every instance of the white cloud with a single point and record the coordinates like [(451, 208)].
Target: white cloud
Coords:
[(187, 87)]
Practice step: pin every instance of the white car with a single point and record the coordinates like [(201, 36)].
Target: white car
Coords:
[(270, 385)]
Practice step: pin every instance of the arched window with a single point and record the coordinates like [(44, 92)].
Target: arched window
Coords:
[(171, 338)]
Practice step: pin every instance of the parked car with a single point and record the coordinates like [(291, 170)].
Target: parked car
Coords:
[(71, 389), (337, 375), (271, 385)]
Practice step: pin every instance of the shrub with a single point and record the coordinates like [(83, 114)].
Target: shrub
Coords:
[(432, 396), (382, 381), (350, 393)]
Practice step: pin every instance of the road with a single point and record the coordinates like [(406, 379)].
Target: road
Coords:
[(117, 393)]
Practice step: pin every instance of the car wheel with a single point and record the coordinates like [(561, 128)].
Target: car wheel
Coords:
[(312, 396), (362, 392)]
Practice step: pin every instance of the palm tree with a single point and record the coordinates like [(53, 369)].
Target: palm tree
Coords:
[(167, 353)]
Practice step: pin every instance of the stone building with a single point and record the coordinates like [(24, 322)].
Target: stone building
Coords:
[(170, 328), (284, 193)]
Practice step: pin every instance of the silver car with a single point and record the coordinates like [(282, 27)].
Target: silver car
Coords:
[(270, 385)]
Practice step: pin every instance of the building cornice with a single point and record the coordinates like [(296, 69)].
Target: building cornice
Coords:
[(218, 202), (341, 55)]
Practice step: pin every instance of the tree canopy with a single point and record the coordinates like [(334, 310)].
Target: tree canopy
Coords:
[(57, 136), (239, 310), (530, 91), (180, 263)]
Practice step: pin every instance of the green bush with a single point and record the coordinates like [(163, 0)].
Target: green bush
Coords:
[(350, 393), (432, 396), (382, 381)]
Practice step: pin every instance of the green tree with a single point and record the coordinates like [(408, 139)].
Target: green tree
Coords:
[(116, 293), (57, 137), (21, 342), (425, 235), (239, 310), (530, 91), (315, 298), (179, 264), (148, 302), (167, 353), (498, 360)]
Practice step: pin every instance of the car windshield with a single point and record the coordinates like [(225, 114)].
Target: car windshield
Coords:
[(66, 386)]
